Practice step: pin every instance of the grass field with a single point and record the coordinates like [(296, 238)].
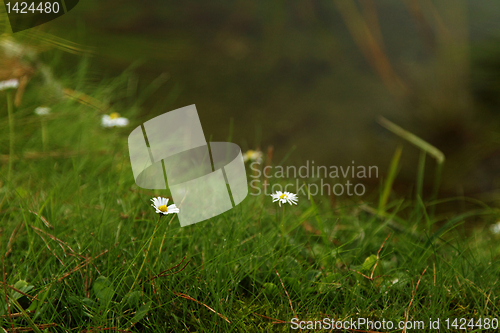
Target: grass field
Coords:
[(83, 250)]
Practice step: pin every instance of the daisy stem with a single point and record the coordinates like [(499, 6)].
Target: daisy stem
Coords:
[(44, 134), (283, 228), (10, 110), (163, 240), (147, 252)]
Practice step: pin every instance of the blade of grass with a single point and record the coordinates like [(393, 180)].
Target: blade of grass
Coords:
[(420, 175), (452, 223), (152, 87), (413, 139), (422, 145), (423, 210), (420, 185), (363, 35), (393, 170), (317, 217), (287, 155), (25, 315), (435, 190), (10, 110)]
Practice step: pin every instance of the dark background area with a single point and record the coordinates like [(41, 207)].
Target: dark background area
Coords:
[(294, 74)]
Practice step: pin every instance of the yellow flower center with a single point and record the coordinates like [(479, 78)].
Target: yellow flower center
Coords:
[(283, 196), (163, 208), (114, 115)]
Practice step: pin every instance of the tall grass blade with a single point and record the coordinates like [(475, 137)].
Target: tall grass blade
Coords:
[(393, 170), (10, 110), (453, 222), (420, 174), (420, 185), (317, 217), (368, 41), (422, 145), (413, 139)]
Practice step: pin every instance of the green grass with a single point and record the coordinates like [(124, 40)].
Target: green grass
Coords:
[(341, 261)]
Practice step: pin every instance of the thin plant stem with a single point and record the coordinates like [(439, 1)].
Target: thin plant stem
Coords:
[(147, 252), (420, 186), (393, 170), (420, 174), (435, 191), (283, 228), (163, 240), (44, 134), (424, 146), (10, 108)]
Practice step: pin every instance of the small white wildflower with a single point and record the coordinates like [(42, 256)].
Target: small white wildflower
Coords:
[(253, 156), (495, 228), (160, 204), (9, 84), (42, 110), (113, 120), (284, 197)]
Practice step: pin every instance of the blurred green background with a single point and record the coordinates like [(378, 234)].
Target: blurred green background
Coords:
[(315, 75)]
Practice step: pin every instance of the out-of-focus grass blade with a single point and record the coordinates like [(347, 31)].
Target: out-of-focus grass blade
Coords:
[(152, 87), (36, 35), (413, 139), (420, 174), (367, 37), (287, 155), (424, 146), (318, 218), (420, 185), (393, 170), (453, 223)]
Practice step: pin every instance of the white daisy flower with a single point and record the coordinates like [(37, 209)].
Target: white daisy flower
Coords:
[(113, 120), (284, 197), (160, 204), (253, 156), (42, 110), (495, 228), (9, 84)]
